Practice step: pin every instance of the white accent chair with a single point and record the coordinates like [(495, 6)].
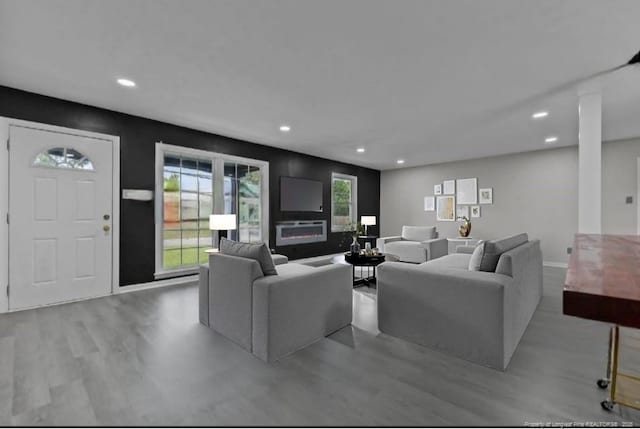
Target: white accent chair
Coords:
[(417, 244)]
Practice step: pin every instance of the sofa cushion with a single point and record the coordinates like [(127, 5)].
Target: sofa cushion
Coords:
[(258, 252), (454, 260), (418, 233), (494, 248), (293, 269)]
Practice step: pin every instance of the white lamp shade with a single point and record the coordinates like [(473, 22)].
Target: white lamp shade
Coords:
[(222, 222), (368, 220)]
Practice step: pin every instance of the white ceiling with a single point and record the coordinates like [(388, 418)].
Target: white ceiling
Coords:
[(426, 81)]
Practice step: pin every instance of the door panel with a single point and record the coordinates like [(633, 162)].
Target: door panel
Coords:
[(45, 260), (60, 189), (85, 200), (45, 199), (85, 257)]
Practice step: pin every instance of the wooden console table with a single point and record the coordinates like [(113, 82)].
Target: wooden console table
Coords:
[(603, 283)]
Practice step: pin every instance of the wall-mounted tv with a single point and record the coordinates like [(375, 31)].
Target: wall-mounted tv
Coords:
[(300, 195)]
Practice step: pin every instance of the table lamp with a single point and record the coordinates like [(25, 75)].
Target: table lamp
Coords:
[(222, 222), (366, 221)]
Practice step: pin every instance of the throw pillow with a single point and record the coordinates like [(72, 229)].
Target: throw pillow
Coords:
[(476, 257), (258, 252), (495, 248)]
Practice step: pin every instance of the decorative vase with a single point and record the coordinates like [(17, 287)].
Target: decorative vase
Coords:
[(465, 228), (355, 246)]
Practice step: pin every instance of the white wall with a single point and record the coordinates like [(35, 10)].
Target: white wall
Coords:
[(619, 180), (534, 192)]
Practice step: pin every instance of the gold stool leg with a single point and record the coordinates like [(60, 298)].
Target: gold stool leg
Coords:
[(603, 383), (612, 368)]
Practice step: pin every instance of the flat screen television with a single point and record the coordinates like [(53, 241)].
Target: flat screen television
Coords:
[(300, 195)]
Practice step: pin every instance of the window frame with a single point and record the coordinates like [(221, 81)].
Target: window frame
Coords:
[(217, 179), (354, 199)]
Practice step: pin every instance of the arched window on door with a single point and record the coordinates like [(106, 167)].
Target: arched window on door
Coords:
[(63, 157)]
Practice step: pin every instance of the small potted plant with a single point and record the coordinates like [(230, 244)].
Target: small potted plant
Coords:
[(354, 229)]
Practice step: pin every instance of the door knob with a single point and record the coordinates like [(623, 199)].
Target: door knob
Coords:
[(106, 228)]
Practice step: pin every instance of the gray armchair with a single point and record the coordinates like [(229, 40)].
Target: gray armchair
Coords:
[(273, 316), (417, 244)]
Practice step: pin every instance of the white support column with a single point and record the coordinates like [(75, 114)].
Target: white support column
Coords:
[(4, 210), (590, 164)]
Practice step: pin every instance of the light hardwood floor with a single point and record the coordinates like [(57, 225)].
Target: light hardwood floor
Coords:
[(142, 359)]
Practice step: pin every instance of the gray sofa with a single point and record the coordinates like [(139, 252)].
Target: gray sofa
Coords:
[(479, 316), (273, 316), (416, 244)]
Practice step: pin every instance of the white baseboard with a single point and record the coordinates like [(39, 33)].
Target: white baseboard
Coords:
[(555, 264), (186, 280), (56, 303)]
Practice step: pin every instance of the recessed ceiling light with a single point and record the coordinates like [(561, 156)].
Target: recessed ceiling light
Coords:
[(550, 140), (400, 161), (539, 115), (285, 128), (360, 150), (126, 82)]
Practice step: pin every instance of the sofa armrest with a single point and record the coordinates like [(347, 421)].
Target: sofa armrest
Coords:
[(436, 247), (464, 248), (293, 310), (230, 290), (279, 259), (380, 242)]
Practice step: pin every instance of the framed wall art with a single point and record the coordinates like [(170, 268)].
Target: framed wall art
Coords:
[(429, 204), (446, 208), (467, 191), (449, 187), (462, 212), (486, 196)]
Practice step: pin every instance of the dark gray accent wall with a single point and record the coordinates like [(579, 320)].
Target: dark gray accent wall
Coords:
[(137, 171)]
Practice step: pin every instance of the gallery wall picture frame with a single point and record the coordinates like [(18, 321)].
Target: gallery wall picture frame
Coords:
[(429, 204), (446, 208), (437, 189), (467, 191), (475, 211), (486, 196), (462, 212), (449, 187)]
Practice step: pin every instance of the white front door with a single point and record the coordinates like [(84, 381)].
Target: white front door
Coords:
[(60, 217)]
